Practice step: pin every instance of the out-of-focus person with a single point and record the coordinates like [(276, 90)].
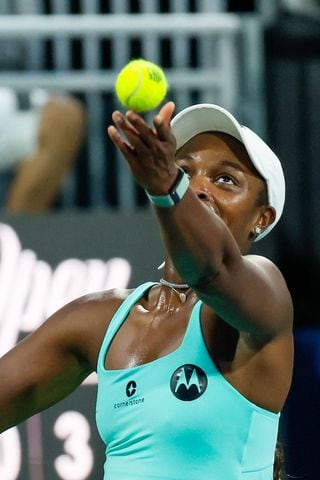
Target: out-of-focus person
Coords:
[(40, 136)]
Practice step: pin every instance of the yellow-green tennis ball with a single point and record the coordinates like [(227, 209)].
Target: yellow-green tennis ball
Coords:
[(141, 85)]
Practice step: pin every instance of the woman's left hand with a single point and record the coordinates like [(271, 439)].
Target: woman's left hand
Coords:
[(149, 152)]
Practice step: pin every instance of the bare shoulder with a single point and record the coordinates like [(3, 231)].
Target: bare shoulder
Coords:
[(92, 306), (277, 292), (80, 325), (267, 269), (263, 262)]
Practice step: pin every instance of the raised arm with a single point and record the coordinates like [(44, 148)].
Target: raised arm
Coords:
[(246, 291)]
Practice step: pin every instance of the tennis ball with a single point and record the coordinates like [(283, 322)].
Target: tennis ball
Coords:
[(141, 85)]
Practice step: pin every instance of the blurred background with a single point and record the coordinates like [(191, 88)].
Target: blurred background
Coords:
[(68, 202)]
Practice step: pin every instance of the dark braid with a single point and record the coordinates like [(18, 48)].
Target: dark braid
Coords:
[(278, 469)]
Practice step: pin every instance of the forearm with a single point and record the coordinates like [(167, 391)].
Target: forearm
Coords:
[(30, 386), (15, 411), (196, 238), (16, 408), (199, 244)]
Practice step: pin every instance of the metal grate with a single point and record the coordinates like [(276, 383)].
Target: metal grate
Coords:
[(79, 47)]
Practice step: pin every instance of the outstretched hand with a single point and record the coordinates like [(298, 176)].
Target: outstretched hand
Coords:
[(149, 152)]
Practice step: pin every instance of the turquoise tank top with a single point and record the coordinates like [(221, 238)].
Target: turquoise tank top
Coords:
[(177, 417)]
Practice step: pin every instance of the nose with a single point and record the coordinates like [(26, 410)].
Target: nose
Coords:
[(199, 187), (202, 195)]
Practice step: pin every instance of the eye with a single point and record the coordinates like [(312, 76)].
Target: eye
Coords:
[(226, 180)]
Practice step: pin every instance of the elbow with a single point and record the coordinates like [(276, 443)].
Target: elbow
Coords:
[(208, 271), (208, 278), (204, 281)]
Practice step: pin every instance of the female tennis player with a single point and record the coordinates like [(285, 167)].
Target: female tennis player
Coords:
[(193, 369)]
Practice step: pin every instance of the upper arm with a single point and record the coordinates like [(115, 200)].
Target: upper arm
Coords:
[(250, 294)]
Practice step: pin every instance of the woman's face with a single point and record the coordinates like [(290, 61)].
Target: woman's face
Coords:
[(223, 177)]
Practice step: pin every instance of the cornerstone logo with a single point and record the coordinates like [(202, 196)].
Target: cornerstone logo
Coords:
[(131, 388), (188, 382)]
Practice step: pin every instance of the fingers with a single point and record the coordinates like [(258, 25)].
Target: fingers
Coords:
[(137, 131), (125, 148), (132, 125), (146, 135), (123, 123), (162, 122), (162, 119), (166, 112), (132, 134), (149, 152), (163, 130)]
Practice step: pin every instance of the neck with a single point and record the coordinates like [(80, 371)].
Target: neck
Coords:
[(182, 286), (175, 287), (170, 274)]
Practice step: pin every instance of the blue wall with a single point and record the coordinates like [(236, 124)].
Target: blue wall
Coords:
[(301, 417)]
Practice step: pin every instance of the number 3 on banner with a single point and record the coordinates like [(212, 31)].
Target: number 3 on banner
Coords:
[(10, 454), (77, 463)]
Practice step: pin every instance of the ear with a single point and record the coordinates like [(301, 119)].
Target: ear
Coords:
[(266, 218)]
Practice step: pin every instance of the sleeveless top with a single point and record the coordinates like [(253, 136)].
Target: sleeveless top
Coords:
[(177, 417)]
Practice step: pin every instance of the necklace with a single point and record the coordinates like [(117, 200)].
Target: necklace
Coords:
[(174, 286)]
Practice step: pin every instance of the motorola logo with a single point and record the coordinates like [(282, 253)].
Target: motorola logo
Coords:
[(188, 382), (131, 388)]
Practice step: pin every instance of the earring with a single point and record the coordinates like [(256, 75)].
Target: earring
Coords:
[(258, 230)]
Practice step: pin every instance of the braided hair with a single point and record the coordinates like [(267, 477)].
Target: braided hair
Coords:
[(278, 468)]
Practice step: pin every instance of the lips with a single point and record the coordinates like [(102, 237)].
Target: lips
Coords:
[(212, 205), (215, 210), (208, 200)]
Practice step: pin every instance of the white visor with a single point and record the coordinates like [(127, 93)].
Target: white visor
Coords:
[(207, 117)]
